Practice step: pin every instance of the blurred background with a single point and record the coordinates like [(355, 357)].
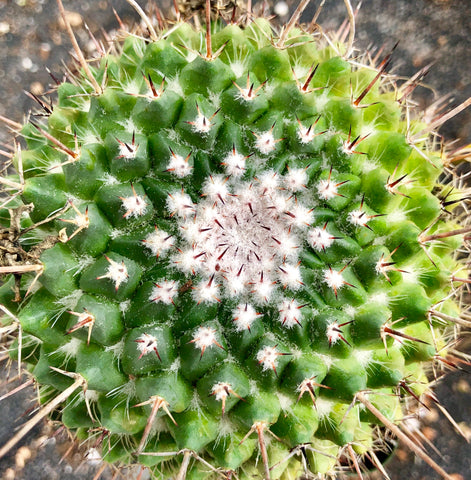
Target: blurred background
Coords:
[(428, 31)]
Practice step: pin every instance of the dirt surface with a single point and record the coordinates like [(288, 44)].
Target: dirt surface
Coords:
[(429, 31)]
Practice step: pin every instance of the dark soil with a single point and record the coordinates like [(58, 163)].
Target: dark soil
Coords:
[(429, 31)]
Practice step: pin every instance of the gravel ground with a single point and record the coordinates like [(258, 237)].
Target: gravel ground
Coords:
[(429, 31)]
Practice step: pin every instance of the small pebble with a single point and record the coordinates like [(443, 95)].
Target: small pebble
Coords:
[(73, 18), (402, 455), (93, 457), (37, 88), (433, 415), (462, 386), (4, 28), (9, 474), (27, 63), (430, 433), (281, 8), (23, 454), (44, 51), (442, 40)]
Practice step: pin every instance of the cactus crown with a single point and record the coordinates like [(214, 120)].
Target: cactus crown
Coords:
[(231, 239)]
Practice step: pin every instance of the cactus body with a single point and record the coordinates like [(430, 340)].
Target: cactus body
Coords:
[(239, 251)]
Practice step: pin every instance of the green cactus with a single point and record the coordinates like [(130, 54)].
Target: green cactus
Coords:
[(225, 242)]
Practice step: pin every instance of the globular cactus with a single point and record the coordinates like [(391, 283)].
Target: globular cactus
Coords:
[(231, 245)]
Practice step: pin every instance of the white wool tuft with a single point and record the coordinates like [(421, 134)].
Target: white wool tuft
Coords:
[(244, 315)]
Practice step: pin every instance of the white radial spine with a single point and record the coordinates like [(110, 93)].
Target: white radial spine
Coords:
[(296, 179), (320, 238), (267, 357), (164, 291), (290, 276), (179, 166), (334, 279), (180, 204), (204, 338), (234, 163), (146, 344), (159, 242), (244, 316), (290, 313), (327, 189), (135, 206), (116, 272)]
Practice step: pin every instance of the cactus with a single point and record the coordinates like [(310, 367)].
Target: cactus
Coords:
[(231, 245)]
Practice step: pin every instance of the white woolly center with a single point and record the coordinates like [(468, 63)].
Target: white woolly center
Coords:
[(91, 395), (124, 306), (327, 189), (206, 291), (333, 332), (290, 313), (164, 292), (241, 236), (413, 274), (215, 188), (201, 124), (204, 337), (268, 357), (135, 206), (179, 203), (132, 88), (306, 135), (296, 179), (127, 151), (286, 402), (239, 68), (116, 272), (350, 310), (266, 143), (320, 238), (299, 71), (397, 216), (359, 218), (179, 166), (246, 94), (382, 266), (379, 297), (244, 316), (82, 221), (290, 276), (221, 391), (234, 163), (158, 242), (146, 344), (71, 348), (363, 356), (324, 406), (333, 279)]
